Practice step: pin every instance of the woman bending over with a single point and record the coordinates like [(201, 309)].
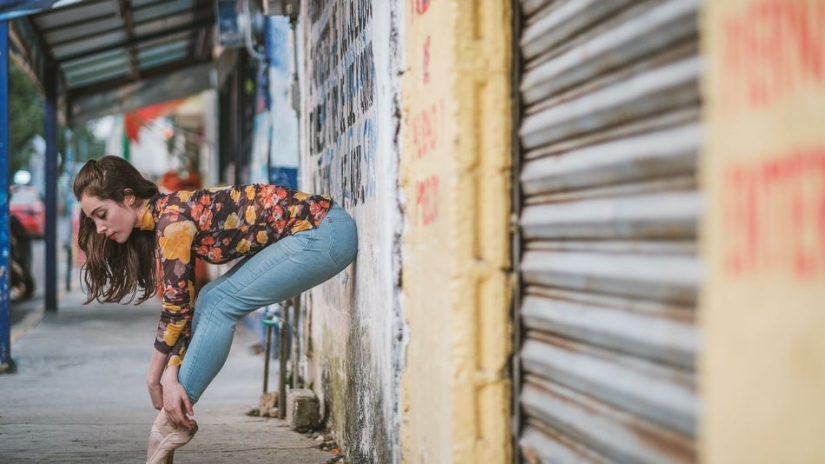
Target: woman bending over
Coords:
[(289, 242)]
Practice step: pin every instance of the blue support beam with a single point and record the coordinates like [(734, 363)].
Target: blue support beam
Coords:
[(6, 363), (50, 118)]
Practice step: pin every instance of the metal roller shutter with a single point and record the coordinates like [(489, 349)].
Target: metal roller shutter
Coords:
[(609, 269)]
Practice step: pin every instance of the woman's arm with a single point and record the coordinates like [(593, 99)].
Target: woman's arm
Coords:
[(175, 236), (156, 366)]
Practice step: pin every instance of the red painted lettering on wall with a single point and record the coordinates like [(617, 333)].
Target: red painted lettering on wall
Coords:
[(426, 198), (425, 127), (426, 64), (771, 50), (420, 6), (774, 214)]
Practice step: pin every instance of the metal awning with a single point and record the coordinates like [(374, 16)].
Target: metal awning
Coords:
[(113, 56)]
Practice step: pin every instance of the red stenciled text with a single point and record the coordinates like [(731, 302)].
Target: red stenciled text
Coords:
[(426, 198), (425, 126), (771, 50), (426, 63), (420, 6), (774, 216)]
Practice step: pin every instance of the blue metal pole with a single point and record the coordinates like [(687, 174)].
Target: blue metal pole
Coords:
[(50, 87), (68, 168), (5, 321)]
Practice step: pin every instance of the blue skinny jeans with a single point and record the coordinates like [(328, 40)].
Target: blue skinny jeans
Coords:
[(280, 271)]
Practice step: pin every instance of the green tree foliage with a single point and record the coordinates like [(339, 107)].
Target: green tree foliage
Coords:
[(25, 117), (85, 144)]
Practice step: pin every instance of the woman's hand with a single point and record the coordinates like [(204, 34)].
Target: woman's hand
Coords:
[(155, 393), (156, 366), (176, 402)]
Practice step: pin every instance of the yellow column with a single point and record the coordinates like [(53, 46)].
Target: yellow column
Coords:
[(456, 176)]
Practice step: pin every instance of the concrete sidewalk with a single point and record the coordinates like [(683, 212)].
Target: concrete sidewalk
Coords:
[(80, 396)]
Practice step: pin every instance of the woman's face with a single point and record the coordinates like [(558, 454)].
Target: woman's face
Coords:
[(112, 219)]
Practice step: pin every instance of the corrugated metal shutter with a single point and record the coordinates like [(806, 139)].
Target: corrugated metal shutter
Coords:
[(609, 269)]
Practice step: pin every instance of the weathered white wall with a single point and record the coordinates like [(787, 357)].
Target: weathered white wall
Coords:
[(350, 94), (150, 154)]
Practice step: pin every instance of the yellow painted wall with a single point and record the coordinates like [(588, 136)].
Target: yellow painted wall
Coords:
[(762, 368), (455, 173)]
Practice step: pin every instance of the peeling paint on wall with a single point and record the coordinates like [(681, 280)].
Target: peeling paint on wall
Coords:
[(351, 93)]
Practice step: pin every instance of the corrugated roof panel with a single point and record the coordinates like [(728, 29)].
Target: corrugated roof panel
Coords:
[(119, 61), (152, 52), (144, 3), (76, 14), (91, 60), (91, 78), (162, 59), (73, 48), (85, 77), (183, 36), (73, 31), (97, 51), (165, 9), (164, 23)]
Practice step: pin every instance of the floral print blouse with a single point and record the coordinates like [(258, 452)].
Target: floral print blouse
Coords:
[(216, 225)]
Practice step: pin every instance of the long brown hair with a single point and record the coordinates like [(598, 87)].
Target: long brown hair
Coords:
[(113, 270)]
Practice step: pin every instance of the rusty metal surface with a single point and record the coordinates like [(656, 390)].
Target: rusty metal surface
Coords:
[(665, 88), (605, 50), (542, 444), (662, 121), (669, 215), (603, 428), (652, 247), (528, 7), (663, 153), (655, 308), (559, 23), (657, 392), (610, 131), (685, 183), (657, 337), (650, 277)]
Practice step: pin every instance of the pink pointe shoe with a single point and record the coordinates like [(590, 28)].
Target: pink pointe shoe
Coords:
[(165, 438)]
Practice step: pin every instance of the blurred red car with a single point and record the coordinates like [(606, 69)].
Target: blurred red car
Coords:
[(25, 203)]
